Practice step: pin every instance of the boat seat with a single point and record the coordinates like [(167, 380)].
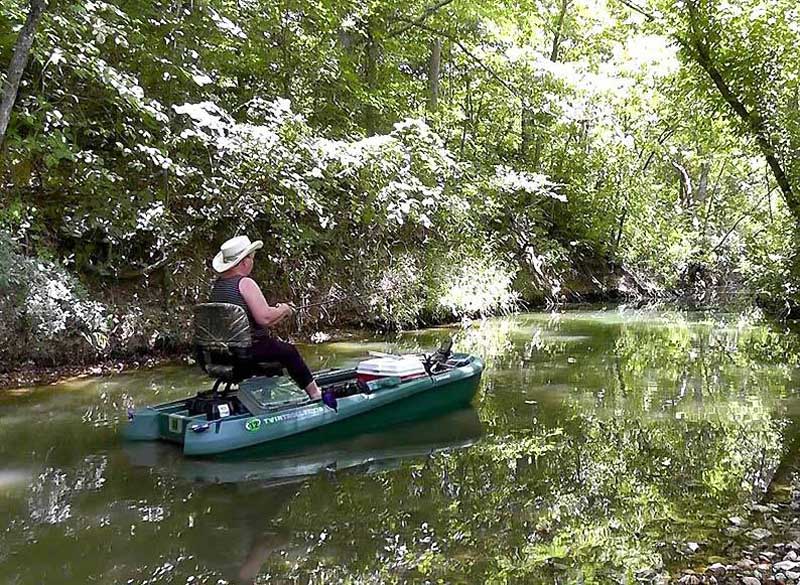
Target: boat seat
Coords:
[(223, 344)]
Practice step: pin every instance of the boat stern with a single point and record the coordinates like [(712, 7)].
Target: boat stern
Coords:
[(167, 423), (142, 425)]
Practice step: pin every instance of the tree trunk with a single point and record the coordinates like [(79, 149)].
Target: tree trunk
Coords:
[(559, 26), (19, 59), (371, 77), (756, 128), (538, 145), (434, 67), (534, 124), (286, 78), (685, 185), (467, 115), (526, 132), (620, 226), (702, 183)]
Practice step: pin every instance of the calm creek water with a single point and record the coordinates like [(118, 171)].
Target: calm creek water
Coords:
[(600, 443)]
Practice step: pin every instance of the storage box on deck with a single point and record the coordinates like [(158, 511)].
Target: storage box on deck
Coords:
[(404, 368)]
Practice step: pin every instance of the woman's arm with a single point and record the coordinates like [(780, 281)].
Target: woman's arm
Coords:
[(263, 314)]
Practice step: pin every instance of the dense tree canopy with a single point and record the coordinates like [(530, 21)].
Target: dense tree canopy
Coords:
[(468, 154)]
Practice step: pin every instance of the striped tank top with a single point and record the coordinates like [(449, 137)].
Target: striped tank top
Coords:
[(226, 290)]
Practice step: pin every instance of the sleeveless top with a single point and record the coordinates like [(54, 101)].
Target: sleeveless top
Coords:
[(226, 290)]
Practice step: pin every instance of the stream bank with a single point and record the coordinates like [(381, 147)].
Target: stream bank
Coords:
[(148, 329)]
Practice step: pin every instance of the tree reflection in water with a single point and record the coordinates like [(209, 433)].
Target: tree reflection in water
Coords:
[(611, 440)]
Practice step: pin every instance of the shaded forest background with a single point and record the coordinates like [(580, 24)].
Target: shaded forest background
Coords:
[(430, 161)]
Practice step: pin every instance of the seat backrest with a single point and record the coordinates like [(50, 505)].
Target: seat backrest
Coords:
[(222, 338)]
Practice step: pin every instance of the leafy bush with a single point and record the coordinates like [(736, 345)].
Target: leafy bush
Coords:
[(45, 311), (399, 297)]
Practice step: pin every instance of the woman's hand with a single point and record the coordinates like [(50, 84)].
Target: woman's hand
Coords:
[(287, 309)]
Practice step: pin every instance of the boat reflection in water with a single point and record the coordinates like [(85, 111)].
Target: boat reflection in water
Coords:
[(345, 446), (250, 490)]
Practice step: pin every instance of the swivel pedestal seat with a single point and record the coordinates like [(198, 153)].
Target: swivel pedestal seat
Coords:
[(223, 346)]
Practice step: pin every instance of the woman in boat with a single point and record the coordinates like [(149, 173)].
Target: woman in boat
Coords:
[(234, 263)]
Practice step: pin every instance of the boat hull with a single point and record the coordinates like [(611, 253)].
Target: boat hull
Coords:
[(169, 422), (335, 447)]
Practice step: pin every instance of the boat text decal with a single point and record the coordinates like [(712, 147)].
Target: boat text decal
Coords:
[(289, 416)]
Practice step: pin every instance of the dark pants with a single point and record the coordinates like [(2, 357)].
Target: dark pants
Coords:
[(275, 350)]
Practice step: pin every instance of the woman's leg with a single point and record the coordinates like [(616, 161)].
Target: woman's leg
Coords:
[(288, 356)]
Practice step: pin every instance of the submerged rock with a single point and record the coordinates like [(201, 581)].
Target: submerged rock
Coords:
[(787, 565), (759, 533), (717, 569)]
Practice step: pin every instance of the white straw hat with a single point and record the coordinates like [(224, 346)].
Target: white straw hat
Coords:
[(234, 251)]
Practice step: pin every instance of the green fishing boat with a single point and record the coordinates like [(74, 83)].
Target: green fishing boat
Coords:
[(349, 445), (248, 404)]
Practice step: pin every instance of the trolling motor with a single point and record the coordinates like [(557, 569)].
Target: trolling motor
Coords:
[(445, 351), (440, 356)]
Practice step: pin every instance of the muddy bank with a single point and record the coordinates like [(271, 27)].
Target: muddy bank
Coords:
[(32, 374), (161, 334)]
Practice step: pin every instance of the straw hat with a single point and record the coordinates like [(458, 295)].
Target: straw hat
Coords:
[(234, 251)]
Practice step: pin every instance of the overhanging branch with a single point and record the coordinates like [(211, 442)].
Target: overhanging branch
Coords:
[(699, 51), (419, 20)]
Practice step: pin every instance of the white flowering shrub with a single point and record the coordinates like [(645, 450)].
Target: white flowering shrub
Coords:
[(466, 285), (320, 196), (46, 312), (54, 307), (278, 168), (509, 182)]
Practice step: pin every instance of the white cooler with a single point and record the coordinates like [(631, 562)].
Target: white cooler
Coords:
[(405, 368)]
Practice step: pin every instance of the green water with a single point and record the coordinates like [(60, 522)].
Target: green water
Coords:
[(600, 444)]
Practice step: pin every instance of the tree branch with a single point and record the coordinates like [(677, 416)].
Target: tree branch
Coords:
[(648, 15), (420, 19), (686, 183), (753, 123), (739, 220), (696, 47), (129, 274), (512, 90), (710, 202)]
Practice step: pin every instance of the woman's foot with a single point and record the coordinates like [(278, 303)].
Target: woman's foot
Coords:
[(313, 391)]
